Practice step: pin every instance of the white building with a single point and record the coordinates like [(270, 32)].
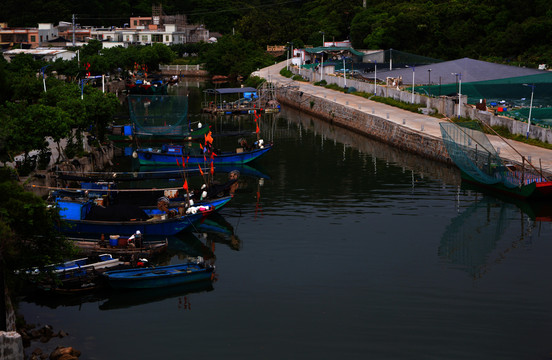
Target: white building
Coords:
[(47, 54), (46, 32)]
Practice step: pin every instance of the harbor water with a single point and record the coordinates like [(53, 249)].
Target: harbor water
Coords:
[(334, 246)]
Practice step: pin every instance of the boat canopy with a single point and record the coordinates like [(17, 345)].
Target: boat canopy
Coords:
[(224, 91)]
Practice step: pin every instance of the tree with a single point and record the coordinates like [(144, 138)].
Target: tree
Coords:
[(99, 110), (234, 56), (28, 236)]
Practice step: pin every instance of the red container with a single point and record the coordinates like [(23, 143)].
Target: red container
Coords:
[(123, 241)]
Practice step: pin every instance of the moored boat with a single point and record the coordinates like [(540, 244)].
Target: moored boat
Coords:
[(160, 276), (84, 216), (171, 154), (119, 246)]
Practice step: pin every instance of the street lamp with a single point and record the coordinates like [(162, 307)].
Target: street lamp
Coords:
[(530, 108), (287, 59), (459, 80), (344, 71), (43, 71), (375, 77), (322, 32), (413, 73), (429, 81)]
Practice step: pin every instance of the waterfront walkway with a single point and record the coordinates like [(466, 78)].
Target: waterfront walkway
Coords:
[(424, 124)]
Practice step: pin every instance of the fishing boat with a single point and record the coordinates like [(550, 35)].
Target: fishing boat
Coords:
[(480, 164), (128, 133), (160, 276), (87, 217), (119, 246), (74, 276), (171, 154)]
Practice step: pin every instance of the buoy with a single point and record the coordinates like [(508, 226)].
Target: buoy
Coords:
[(134, 154)]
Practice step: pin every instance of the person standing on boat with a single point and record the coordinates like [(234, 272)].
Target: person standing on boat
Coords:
[(163, 205)]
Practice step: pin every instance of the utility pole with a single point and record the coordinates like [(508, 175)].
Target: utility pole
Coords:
[(73, 29)]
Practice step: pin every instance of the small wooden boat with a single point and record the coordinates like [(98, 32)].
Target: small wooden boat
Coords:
[(75, 276), (161, 276), (119, 246), (171, 154)]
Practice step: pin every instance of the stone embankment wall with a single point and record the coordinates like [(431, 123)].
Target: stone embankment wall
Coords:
[(183, 70), (366, 124)]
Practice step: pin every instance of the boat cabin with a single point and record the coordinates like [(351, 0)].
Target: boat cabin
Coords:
[(174, 149)]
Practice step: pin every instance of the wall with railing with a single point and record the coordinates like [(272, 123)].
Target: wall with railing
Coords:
[(445, 105)]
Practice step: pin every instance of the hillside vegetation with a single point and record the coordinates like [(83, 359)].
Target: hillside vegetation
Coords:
[(504, 31)]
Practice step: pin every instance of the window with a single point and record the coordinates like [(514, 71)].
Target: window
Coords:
[(144, 38), (135, 22), (33, 38), (167, 37)]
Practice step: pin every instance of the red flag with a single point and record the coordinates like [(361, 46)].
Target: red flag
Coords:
[(185, 186), (208, 138), (177, 164), (257, 131), (200, 171), (183, 163), (200, 146), (212, 168)]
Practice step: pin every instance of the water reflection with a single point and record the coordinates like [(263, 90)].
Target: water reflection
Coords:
[(483, 234), (215, 229), (126, 299), (371, 148)]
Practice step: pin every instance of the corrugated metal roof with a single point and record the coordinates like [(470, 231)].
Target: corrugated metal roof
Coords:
[(445, 72)]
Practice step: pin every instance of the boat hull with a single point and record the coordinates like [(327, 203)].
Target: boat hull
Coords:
[(523, 192), (170, 226), (163, 276), (147, 157)]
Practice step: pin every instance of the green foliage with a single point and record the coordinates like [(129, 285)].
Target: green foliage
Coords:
[(298, 78), (234, 56), (321, 83), (27, 233), (254, 81), (390, 101), (285, 72)]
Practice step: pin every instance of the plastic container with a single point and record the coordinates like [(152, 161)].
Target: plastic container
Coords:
[(114, 240), (122, 241)]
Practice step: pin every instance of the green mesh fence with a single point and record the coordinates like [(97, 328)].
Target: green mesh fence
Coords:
[(511, 96), (159, 114)]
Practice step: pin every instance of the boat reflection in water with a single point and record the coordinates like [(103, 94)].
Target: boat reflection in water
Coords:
[(483, 234), (216, 229), (126, 299)]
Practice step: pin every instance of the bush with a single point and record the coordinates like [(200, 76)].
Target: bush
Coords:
[(285, 72)]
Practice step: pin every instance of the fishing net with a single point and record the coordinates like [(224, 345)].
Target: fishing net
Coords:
[(474, 154), (159, 114)]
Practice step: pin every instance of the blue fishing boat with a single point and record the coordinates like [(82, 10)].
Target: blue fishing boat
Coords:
[(84, 216), (74, 276), (172, 154), (161, 276)]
